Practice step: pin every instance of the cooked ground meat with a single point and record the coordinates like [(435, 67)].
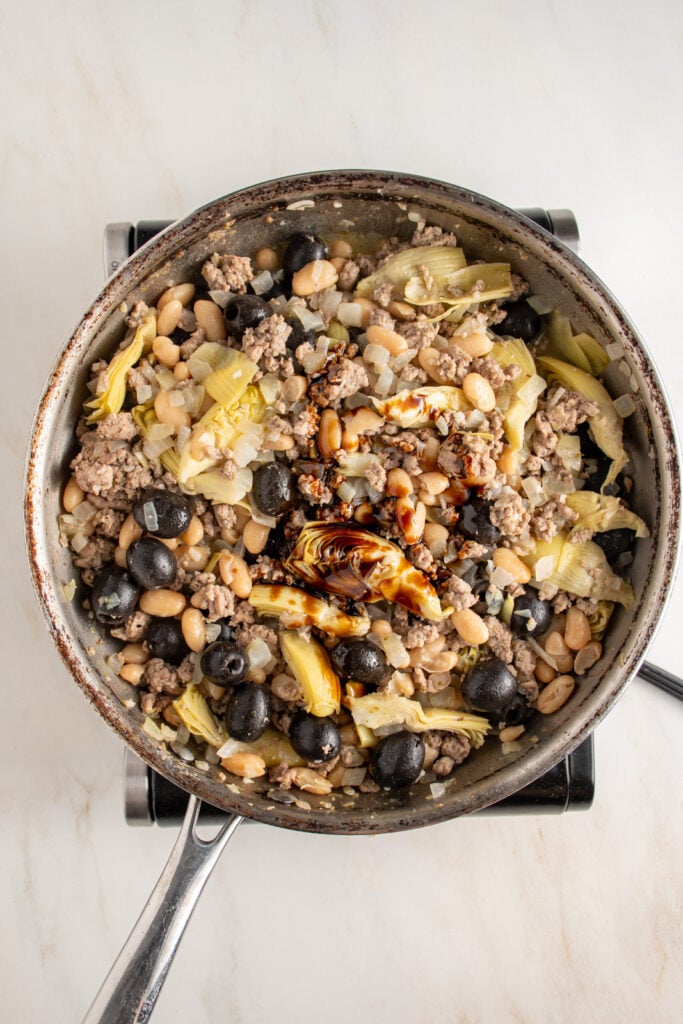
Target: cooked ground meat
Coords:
[(419, 634), (418, 333), (96, 554), (137, 314), (342, 378), (218, 601), (500, 639), (191, 344), (458, 594), (267, 342), (565, 413), (524, 658), (456, 747), (160, 677), (134, 628), (348, 275), (108, 522), (509, 513), (544, 439), (228, 273), (109, 467)]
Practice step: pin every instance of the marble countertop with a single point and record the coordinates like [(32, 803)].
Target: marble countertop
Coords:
[(129, 111)]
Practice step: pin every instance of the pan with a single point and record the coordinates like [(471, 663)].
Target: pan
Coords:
[(387, 204)]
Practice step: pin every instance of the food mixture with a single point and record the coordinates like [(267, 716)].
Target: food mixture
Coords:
[(351, 510)]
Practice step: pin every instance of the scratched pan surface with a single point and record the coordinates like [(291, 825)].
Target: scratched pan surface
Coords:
[(375, 203)]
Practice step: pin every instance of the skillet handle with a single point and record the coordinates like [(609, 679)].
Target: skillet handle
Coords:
[(129, 991)]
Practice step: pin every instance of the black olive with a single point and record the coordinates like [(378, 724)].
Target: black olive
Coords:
[(273, 488), (245, 311), (522, 321), (224, 663), (479, 588), (227, 632), (614, 542), (178, 336), (165, 640), (540, 611), (517, 711), (489, 686), (162, 513), (315, 739), (248, 712), (299, 335), (359, 660), (151, 563), (475, 523), (302, 249), (397, 760), (114, 596)]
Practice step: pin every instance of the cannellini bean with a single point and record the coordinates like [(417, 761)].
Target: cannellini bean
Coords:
[(577, 629), (182, 293), (555, 694), (163, 604), (310, 781), (434, 483), (294, 388), (544, 672), (474, 344), (193, 626), (210, 319), (471, 627), (181, 371), (340, 247), (479, 392), (166, 412), (255, 536), (329, 433), (266, 259), (384, 336), (73, 495), (401, 310), (365, 421), (235, 574), (129, 532), (166, 351), (194, 533), (587, 657), (399, 484), (411, 519), (168, 317), (132, 673), (135, 654), (314, 277), (245, 764), (508, 461), (510, 562)]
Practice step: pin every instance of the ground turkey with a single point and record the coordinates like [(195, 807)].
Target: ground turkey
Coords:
[(227, 273)]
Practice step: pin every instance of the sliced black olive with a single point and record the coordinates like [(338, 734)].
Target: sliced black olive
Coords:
[(245, 311), (529, 606), (315, 739), (302, 249), (151, 563), (475, 523), (248, 712), (397, 760), (227, 632), (165, 640), (360, 660), (273, 488), (522, 321), (614, 542), (517, 711), (114, 596), (224, 663), (162, 513), (489, 686)]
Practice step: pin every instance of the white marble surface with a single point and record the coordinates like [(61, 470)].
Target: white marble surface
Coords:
[(131, 110)]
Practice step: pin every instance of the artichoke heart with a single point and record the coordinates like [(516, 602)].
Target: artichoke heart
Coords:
[(312, 669), (194, 713), (523, 405), (377, 710), (438, 260), (607, 426), (272, 746), (600, 512), (513, 351), (482, 282), (421, 407), (581, 350), (111, 399), (296, 608), (579, 568), (218, 429), (353, 562)]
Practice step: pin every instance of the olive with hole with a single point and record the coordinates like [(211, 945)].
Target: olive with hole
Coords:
[(114, 596), (475, 523), (248, 712), (162, 513), (272, 488), (151, 563), (489, 686), (244, 311), (522, 321), (315, 739), (517, 711), (165, 640), (529, 606), (302, 249), (224, 663), (360, 660), (614, 542), (397, 760)]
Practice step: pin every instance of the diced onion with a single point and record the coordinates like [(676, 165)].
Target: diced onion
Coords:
[(539, 304), (437, 789), (149, 514), (244, 451), (378, 355), (533, 490), (397, 655), (624, 405), (213, 631), (353, 776), (330, 300), (614, 350), (383, 383), (262, 282), (83, 512), (143, 393), (350, 314), (310, 321), (221, 298), (544, 568), (78, 542), (258, 653), (501, 578)]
